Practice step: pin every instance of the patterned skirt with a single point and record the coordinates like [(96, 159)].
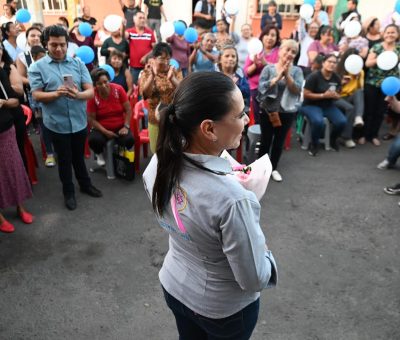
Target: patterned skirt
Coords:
[(14, 182)]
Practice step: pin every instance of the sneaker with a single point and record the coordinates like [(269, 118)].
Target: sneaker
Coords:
[(50, 161), (394, 190), (358, 122), (349, 144), (383, 165), (313, 150), (100, 160), (276, 176)]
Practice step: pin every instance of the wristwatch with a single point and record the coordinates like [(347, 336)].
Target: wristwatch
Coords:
[(127, 126)]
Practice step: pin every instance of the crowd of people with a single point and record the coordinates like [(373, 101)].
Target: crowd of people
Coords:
[(198, 95), (303, 75)]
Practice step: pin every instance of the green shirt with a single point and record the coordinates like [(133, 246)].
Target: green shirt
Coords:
[(375, 75)]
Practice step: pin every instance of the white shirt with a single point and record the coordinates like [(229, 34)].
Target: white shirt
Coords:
[(304, 45)]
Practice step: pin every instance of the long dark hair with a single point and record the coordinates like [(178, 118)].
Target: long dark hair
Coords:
[(323, 30), (340, 69), (5, 28), (200, 96), (6, 59)]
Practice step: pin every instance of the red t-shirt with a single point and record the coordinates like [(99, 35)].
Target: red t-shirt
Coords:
[(139, 45), (110, 111)]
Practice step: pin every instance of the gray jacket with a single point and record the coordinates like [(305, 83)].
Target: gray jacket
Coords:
[(219, 264), (290, 102)]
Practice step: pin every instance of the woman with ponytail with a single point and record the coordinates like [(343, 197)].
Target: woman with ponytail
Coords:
[(218, 261)]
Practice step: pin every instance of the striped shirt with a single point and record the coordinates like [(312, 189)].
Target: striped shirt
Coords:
[(139, 45)]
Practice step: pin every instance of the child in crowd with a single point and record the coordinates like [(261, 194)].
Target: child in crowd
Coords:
[(38, 52)]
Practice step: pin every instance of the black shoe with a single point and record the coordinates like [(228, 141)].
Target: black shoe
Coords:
[(92, 191), (70, 202), (334, 144), (313, 150)]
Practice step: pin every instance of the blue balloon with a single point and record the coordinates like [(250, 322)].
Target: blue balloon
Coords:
[(110, 71), (191, 35), (85, 53), (309, 2), (214, 29), (179, 27), (23, 16), (174, 63), (85, 29), (390, 86), (397, 6)]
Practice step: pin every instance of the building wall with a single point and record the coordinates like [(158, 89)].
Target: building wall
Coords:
[(182, 9)]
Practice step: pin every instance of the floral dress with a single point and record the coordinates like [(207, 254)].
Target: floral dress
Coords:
[(162, 92)]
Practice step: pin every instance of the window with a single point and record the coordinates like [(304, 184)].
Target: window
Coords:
[(22, 4), (54, 6), (289, 7)]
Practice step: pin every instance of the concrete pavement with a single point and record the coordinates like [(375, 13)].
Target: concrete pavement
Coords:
[(92, 273)]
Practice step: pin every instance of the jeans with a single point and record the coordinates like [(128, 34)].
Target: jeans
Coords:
[(70, 149), (375, 107), (135, 71), (155, 24), (273, 138), (394, 151), (97, 141), (352, 106), (192, 326), (255, 105), (315, 115)]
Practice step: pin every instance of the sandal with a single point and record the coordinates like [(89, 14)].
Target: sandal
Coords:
[(388, 136)]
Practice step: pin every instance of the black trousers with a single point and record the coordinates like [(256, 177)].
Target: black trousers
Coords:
[(273, 138), (70, 149), (374, 110), (97, 141)]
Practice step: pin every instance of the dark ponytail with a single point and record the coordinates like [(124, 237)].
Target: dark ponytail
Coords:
[(200, 96)]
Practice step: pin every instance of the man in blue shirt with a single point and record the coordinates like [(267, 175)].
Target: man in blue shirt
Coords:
[(272, 17), (64, 109)]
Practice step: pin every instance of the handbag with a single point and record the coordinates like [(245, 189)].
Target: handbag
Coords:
[(124, 163), (274, 119)]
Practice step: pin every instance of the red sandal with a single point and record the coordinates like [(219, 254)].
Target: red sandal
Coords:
[(26, 217), (6, 227)]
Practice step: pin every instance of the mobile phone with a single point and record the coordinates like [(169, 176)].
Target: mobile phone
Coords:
[(332, 88), (68, 81)]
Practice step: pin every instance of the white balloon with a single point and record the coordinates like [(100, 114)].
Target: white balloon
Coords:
[(21, 41), (352, 29), (232, 7), (254, 46), (306, 11), (112, 23), (353, 64), (387, 60), (167, 29)]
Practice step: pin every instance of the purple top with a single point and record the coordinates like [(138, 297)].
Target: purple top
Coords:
[(358, 43), (270, 58), (317, 47), (180, 50)]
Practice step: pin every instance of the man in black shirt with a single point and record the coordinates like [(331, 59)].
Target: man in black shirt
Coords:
[(129, 11), (153, 11), (347, 16), (87, 18)]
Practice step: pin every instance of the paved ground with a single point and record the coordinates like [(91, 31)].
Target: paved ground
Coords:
[(92, 273)]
